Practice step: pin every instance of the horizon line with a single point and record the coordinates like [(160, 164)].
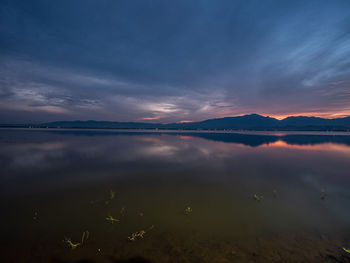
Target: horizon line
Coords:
[(277, 117)]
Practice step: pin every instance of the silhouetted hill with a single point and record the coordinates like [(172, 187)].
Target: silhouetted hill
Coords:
[(245, 122), (314, 123)]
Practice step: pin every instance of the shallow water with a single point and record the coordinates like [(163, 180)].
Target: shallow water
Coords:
[(58, 183)]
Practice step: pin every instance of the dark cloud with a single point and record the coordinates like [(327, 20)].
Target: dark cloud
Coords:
[(172, 60)]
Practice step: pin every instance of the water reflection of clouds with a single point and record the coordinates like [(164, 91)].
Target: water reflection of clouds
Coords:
[(292, 169), (118, 152), (34, 154), (160, 150)]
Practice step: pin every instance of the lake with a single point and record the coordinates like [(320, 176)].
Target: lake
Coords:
[(179, 196)]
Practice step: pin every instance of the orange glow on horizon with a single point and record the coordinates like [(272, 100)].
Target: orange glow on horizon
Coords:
[(185, 137), (326, 115), (185, 121)]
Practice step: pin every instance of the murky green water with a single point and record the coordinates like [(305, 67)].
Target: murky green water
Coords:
[(58, 183)]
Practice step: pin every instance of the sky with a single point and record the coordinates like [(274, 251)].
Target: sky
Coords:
[(173, 61)]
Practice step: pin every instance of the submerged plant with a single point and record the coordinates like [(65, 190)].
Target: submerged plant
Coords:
[(257, 197), (122, 210), (69, 242), (347, 250), (139, 234), (111, 195), (112, 219), (72, 245), (323, 196), (85, 236), (188, 210), (35, 216), (274, 193)]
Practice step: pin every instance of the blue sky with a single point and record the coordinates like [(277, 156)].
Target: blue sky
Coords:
[(169, 61)]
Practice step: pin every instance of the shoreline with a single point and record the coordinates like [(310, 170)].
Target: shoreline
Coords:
[(278, 133)]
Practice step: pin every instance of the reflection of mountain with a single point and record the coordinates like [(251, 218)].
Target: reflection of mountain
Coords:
[(316, 139), (241, 138), (246, 139), (257, 140)]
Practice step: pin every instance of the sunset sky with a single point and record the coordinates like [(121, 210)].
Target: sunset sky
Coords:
[(173, 61)]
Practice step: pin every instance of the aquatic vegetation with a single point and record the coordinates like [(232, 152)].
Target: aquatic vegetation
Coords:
[(85, 236), (111, 195), (274, 193), (106, 200), (347, 250), (122, 210), (71, 245), (188, 210), (35, 216), (257, 197), (323, 196), (112, 219), (139, 234)]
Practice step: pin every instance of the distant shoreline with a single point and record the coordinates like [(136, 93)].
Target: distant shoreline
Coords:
[(252, 122), (135, 130)]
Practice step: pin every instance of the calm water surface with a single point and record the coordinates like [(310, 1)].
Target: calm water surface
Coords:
[(56, 184)]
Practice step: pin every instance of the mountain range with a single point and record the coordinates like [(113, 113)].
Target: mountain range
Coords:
[(245, 122)]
